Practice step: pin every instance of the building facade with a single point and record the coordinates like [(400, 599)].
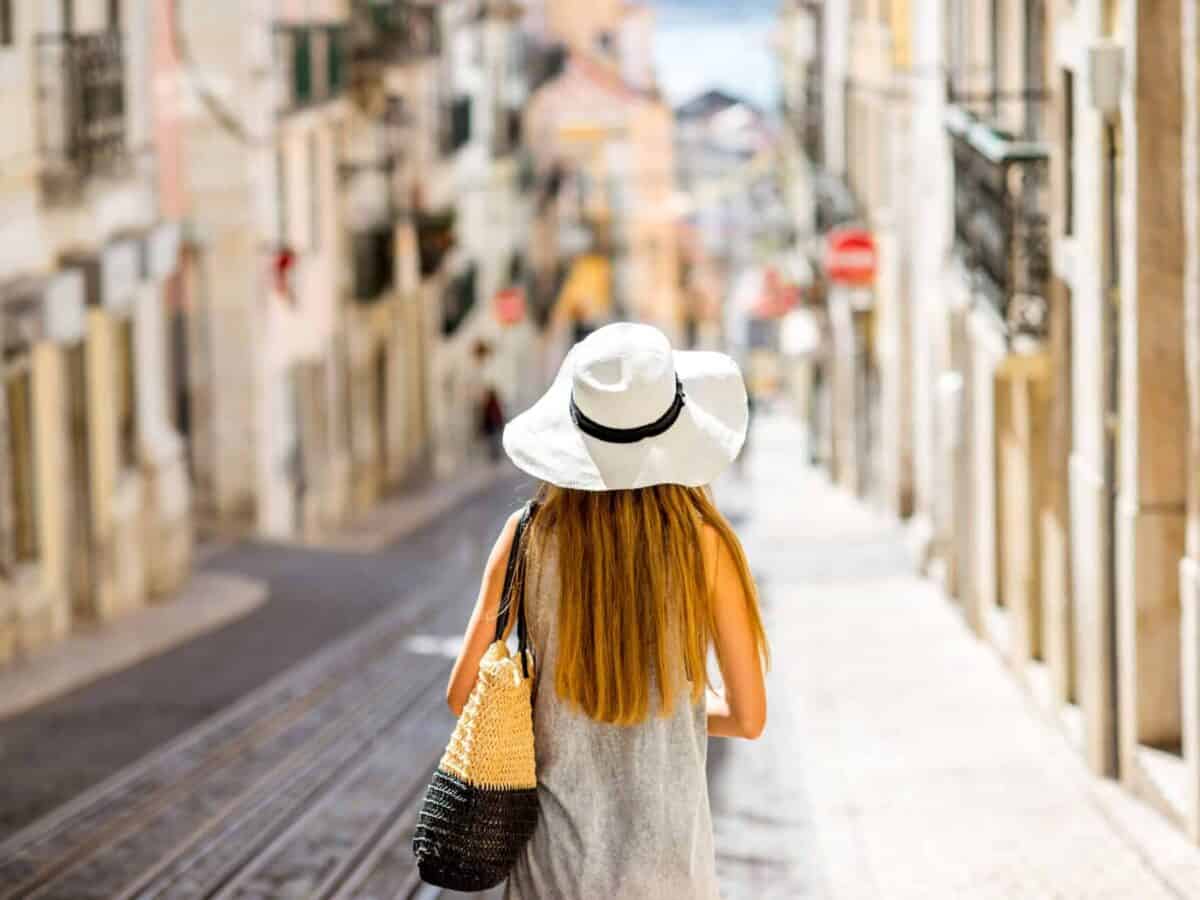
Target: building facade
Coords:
[(94, 495), (599, 128), (261, 267), (1037, 360)]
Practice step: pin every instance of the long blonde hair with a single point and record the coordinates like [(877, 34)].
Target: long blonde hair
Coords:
[(634, 595)]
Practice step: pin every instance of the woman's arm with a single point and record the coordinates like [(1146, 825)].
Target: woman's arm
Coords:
[(482, 627), (742, 712)]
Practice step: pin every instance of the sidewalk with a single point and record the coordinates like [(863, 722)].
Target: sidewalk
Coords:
[(208, 601), (901, 760)]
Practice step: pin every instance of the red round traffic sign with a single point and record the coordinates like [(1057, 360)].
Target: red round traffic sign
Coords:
[(850, 257)]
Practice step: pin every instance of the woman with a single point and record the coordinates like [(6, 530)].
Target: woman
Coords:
[(632, 574)]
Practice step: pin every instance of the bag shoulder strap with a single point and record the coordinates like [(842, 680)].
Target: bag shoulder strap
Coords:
[(516, 559)]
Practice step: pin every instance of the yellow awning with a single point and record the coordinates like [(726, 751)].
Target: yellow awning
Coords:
[(586, 295)]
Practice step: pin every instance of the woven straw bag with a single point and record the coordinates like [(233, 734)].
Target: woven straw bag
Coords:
[(481, 806)]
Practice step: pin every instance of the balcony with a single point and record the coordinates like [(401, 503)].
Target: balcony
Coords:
[(1000, 222), (394, 31), (81, 106), (312, 64), (374, 255)]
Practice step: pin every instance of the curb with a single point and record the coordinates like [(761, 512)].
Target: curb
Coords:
[(208, 601), (398, 516)]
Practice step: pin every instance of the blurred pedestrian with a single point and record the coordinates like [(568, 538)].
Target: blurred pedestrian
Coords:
[(491, 422), (629, 575)]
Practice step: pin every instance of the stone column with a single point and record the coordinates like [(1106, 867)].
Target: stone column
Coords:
[(367, 328), (116, 491), (1153, 435), (163, 464), (1022, 462), (1054, 519), (1083, 258), (987, 349), (53, 475), (1189, 570)]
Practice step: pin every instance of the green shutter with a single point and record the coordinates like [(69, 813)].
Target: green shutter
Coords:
[(333, 44), (302, 76)]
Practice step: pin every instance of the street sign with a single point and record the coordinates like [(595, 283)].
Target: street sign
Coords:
[(509, 305), (850, 257)]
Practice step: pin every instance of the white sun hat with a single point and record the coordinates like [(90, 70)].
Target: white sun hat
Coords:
[(627, 411)]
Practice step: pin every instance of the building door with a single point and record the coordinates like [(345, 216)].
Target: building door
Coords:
[(81, 564), (18, 390), (178, 362)]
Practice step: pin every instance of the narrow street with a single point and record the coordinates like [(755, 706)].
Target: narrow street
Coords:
[(284, 755)]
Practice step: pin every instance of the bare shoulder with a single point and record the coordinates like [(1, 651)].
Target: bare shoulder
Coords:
[(712, 543), (504, 541)]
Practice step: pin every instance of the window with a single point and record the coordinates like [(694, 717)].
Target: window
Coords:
[(460, 123), (302, 73), (127, 429), (8, 35), (18, 390)]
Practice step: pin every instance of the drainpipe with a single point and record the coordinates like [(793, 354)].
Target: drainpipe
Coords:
[(1112, 311)]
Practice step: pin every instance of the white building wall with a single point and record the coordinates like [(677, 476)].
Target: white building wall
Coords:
[(930, 204), (1078, 260), (837, 69)]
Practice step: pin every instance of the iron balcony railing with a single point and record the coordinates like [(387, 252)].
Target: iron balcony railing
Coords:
[(1001, 225), (312, 64), (394, 31), (81, 103)]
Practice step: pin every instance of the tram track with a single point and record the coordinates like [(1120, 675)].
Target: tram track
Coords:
[(242, 842), (156, 833), (83, 829), (325, 763)]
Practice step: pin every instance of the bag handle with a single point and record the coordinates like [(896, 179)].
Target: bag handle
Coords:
[(515, 559)]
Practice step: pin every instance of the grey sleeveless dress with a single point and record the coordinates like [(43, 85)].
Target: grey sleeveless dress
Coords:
[(624, 810)]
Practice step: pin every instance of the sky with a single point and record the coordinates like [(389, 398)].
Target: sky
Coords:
[(716, 43)]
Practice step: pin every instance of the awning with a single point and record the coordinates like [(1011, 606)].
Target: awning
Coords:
[(586, 295)]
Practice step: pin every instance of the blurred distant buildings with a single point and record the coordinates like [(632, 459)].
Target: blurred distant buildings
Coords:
[(735, 214), (262, 262), (1022, 375), (600, 129)]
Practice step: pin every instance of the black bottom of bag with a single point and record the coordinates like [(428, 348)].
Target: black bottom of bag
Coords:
[(467, 838)]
